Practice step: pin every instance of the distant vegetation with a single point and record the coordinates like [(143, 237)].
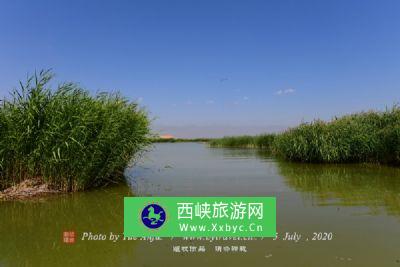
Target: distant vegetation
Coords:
[(361, 137), (264, 141), (66, 137), (178, 140)]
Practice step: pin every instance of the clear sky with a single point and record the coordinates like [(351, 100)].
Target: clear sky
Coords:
[(245, 64)]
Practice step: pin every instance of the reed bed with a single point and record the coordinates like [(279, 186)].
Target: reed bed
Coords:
[(362, 137), (372, 137), (66, 137)]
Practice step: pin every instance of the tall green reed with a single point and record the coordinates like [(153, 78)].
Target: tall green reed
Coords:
[(66, 137), (361, 137), (372, 137)]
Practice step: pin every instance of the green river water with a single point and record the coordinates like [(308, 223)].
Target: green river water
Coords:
[(358, 204)]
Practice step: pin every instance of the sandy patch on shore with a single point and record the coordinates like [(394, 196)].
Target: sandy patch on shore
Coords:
[(26, 189)]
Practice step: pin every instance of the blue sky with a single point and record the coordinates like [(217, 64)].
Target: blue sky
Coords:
[(243, 64)]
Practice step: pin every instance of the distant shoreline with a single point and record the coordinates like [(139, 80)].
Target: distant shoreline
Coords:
[(180, 140)]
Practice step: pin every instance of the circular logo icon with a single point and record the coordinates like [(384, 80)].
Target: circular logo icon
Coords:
[(153, 216)]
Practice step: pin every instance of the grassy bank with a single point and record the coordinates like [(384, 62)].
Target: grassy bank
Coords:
[(361, 137), (66, 137)]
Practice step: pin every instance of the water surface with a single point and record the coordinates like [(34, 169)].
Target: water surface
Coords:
[(359, 204)]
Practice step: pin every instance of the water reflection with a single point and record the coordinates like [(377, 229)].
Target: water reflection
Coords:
[(188, 169), (346, 185), (31, 231), (309, 198)]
